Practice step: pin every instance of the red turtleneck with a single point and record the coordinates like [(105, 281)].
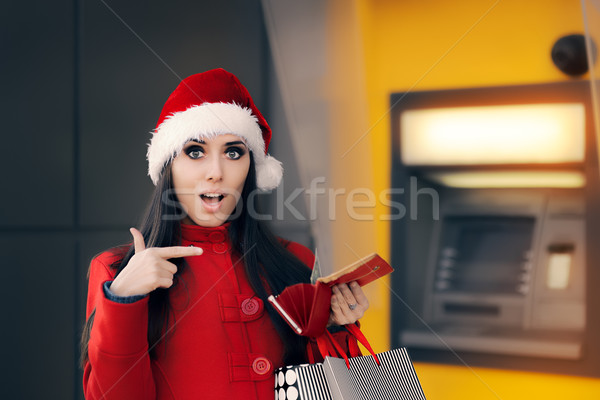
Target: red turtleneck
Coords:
[(222, 344)]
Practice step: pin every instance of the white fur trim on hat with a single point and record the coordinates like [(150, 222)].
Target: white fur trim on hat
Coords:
[(207, 121)]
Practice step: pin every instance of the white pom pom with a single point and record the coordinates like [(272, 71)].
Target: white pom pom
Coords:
[(269, 172)]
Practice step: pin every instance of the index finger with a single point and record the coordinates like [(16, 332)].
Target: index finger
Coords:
[(177, 251)]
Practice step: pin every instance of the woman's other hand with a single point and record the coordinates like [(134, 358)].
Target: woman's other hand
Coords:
[(348, 304), (149, 268)]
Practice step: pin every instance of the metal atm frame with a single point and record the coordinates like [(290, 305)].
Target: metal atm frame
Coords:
[(528, 328)]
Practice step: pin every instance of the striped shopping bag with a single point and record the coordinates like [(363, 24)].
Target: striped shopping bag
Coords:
[(393, 377)]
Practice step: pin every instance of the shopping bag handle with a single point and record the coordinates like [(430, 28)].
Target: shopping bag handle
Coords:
[(357, 333), (328, 347)]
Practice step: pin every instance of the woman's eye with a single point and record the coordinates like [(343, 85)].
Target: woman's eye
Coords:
[(194, 152), (234, 153)]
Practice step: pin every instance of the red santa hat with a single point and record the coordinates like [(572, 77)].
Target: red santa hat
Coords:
[(206, 105)]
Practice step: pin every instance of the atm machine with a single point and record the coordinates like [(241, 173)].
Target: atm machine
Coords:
[(492, 255)]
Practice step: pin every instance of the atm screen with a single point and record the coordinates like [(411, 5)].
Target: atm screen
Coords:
[(484, 254)]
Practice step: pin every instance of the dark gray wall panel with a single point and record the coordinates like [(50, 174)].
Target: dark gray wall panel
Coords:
[(36, 109), (38, 333)]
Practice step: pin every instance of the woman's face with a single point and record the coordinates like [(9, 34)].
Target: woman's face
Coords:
[(208, 177)]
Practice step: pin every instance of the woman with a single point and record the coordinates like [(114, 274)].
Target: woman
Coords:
[(182, 312)]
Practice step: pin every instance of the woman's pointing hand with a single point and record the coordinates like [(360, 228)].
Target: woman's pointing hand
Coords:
[(149, 268)]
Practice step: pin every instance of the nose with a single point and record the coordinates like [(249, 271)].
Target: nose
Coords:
[(215, 170)]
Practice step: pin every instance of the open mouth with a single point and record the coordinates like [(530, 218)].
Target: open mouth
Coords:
[(212, 198)]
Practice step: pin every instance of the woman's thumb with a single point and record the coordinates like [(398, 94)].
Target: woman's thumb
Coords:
[(138, 240)]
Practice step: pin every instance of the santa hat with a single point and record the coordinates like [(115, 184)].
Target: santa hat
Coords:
[(206, 105)]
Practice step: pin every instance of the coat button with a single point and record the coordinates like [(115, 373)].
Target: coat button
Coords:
[(261, 365), (216, 237), (250, 306), (220, 248)]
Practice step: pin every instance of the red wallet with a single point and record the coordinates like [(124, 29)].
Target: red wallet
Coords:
[(306, 307)]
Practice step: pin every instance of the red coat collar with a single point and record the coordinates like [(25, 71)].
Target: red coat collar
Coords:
[(199, 234)]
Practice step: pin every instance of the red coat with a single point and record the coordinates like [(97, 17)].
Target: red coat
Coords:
[(222, 345)]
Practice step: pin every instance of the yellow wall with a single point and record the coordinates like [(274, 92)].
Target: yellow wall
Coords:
[(382, 46), (352, 166), (443, 382)]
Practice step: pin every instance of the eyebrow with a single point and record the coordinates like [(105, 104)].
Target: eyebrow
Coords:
[(226, 144), (236, 142)]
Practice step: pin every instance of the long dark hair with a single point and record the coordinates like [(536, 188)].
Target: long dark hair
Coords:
[(266, 260)]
